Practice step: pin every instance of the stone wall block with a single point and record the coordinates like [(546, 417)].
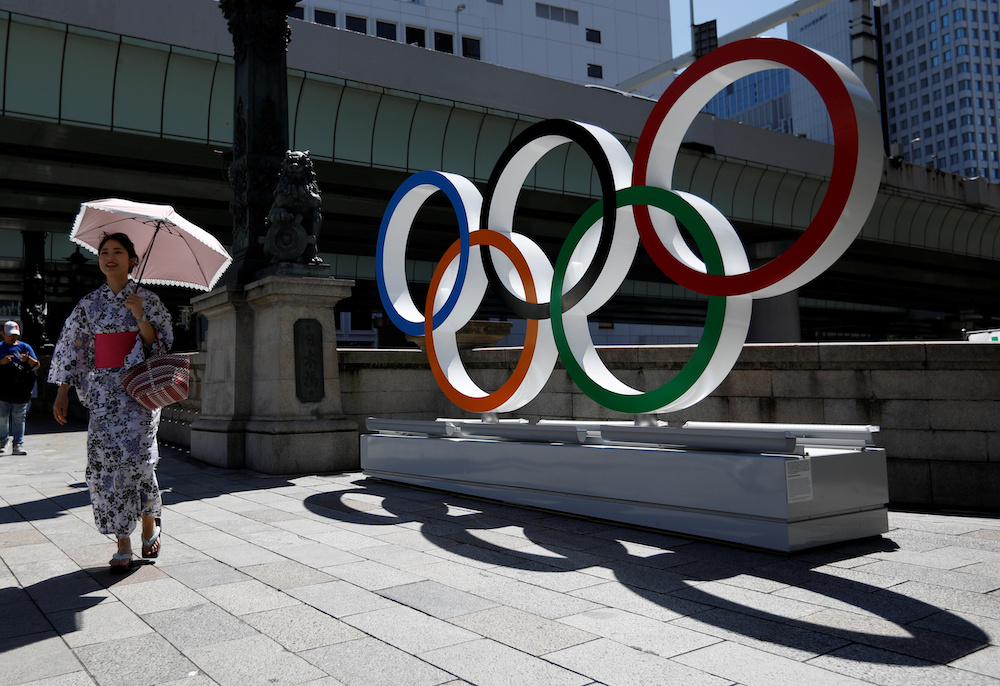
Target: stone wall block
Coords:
[(852, 411), (395, 380), (906, 414), (548, 405), (936, 384), (752, 409), (909, 481), (586, 409), (779, 356), (711, 409), (387, 402), (909, 444), (965, 485), (896, 355), (993, 446), (821, 384), (970, 415), (798, 410), (746, 383), (963, 354), (560, 382), (957, 446)]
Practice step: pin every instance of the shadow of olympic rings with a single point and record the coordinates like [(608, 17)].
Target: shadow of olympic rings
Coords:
[(653, 579)]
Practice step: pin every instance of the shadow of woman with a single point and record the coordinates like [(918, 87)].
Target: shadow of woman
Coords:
[(53, 606), (709, 582)]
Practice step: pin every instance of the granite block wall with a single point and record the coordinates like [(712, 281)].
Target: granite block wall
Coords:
[(937, 403)]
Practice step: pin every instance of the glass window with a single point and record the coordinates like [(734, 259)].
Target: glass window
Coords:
[(359, 24), (298, 13), (325, 18), (444, 42), (562, 14), (593, 36), (416, 35), (595, 71), (471, 48), (385, 29)]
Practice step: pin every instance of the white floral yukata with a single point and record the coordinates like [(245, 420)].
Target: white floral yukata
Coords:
[(121, 436)]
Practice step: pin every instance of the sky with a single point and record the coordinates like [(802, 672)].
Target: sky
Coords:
[(729, 15)]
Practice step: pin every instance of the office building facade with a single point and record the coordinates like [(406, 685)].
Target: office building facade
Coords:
[(590, 42), (942, 72), (762, 100), (827, 29), (940, 75)]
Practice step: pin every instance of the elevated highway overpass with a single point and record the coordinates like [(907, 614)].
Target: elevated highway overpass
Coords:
[(134, 99)]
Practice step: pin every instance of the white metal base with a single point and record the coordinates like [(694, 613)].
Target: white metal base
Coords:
[(777, 501)]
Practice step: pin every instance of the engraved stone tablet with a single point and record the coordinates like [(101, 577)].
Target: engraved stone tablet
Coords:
[(309, 387)]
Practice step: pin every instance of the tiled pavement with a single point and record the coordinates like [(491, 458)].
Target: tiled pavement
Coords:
[(339, 579)]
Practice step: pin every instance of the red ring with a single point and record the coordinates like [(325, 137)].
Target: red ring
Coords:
[(493, 400), (837, 99)]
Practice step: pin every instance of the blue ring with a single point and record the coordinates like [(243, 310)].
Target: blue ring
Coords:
[(442, 183)]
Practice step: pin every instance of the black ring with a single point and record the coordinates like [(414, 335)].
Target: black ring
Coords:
[(580, 135)]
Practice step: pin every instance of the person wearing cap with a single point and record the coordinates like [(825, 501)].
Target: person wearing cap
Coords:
[(18, 363)]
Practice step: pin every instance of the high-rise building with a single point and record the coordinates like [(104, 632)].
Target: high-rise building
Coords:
[(827, 29), (591, 42), (762, 100), (942, 71), (941, 77)]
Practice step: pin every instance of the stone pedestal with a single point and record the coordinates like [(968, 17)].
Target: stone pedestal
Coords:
[(268, 403)]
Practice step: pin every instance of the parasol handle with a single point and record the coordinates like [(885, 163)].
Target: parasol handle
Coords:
[(145, 258)]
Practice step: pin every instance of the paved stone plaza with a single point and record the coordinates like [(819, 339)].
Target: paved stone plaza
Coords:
[(339, 579)]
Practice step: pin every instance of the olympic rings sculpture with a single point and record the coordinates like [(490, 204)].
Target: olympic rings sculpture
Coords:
[(594, 260)]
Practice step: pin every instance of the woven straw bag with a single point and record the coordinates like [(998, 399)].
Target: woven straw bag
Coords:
[(158, 381)]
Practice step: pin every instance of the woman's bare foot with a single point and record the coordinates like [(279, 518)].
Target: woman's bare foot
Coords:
[(122, 560), (150, 536)]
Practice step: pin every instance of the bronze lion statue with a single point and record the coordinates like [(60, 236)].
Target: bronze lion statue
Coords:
[(296, 213)]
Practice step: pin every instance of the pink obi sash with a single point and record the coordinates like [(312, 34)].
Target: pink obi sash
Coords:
[(110, 349)]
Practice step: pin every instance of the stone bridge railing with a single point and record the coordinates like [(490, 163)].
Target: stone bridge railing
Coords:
[(937, 403)]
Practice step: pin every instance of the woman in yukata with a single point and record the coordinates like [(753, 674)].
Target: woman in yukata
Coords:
[(109, 330)]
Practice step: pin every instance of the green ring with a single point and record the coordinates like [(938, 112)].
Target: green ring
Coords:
[(692, 220)]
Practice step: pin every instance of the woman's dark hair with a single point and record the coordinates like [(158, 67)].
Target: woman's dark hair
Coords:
[(125, 241)]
